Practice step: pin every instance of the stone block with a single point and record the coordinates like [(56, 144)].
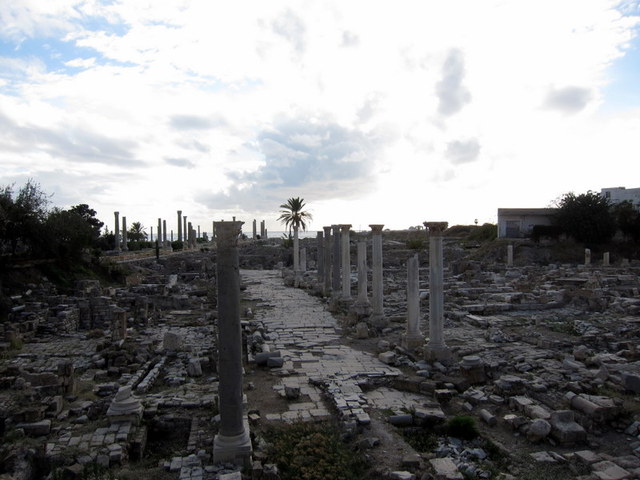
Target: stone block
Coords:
[(565, 430), (36, 429), (387, 358), (445, 469), (607, 470)]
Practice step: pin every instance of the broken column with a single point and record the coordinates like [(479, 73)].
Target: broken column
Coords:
[(159, 237), (179, 225), (509, 255), (303, 260), (119, 324), (117, 232), (362, 305), (377, 314), (335, 261), (605, 259), (124, 234), (327, 260), (232, 443), (587, 256), (413, 337), (255, 229), (346, 261), (436, 349)]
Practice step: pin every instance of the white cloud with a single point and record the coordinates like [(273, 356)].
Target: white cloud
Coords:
[(241, 104)]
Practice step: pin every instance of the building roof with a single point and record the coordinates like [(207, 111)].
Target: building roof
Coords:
[(526, 211)]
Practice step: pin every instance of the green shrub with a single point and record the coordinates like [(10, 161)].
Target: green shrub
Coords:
[(177, 245), (415, 244), (313, 452), (462, 427), (485, 233)]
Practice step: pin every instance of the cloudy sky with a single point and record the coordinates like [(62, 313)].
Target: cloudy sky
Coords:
[(372, 111)]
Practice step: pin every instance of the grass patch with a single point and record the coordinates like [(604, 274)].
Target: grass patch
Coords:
[(313, 451), (420, 439), (462, 427)]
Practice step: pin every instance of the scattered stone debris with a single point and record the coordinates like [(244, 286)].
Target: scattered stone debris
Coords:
[(542, 358)]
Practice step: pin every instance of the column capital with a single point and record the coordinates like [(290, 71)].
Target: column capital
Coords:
[(436, 228), (116, 213), (345, 227), (228, 232), (327, 229), (179, 212), (376, 227)]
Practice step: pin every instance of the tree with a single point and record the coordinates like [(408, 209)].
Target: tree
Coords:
[(21, 218), (89, 216), (292, 215), (66, 234), (627, 219), (586, 217), (136, 232)]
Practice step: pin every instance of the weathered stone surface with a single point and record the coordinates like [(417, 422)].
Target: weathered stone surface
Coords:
[(445, 469)]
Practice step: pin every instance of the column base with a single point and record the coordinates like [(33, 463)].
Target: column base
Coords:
[(378, 320), (233, 449), (440, 353), (362, 309), (412, 341)]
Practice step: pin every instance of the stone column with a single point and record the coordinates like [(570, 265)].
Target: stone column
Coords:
[(436, 349), (377, 314), (320, 258), (605, 259), (198, 231), (413, 337), (296, 251), (179, 225), (303, 260), (587, 256), (327, 261), (335, 261), (362, 303), (117, 232), (151, 235), (125, 247), (255, 229), (189, 235), (186, 233), (232, 443), (262, 234), (509, 255), (164, 232), (160, 232), (346, 261)]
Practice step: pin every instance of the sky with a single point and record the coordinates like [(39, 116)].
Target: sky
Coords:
[(372, 111)]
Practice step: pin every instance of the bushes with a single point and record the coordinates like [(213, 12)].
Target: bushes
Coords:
[(312, 452)]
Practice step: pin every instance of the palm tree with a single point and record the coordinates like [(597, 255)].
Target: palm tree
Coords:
[(136, 232), (292, 215)]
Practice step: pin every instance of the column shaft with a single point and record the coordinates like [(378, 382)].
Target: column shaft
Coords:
[(346, 261)]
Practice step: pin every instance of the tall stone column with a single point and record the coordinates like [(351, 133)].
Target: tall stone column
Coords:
[(509, 255), (125, 247), (362, 305), (587, 256), (117, 232), (164, 232), (377, 314), (199, 232), (346, 261), (232, 443), (327, 261), (436, 349), (189, 235), (255, 229), (413, 337), (335, 261), (303, 260), (160, 232), (186, 232), (320, 258), (605, 259), (179, 225), (151, 235), (296, 251), (262, 230)]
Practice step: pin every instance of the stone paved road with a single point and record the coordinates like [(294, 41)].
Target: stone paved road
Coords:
[(308, 338)]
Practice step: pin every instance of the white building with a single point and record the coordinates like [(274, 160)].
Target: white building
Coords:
[(519, 222), (621, 194)]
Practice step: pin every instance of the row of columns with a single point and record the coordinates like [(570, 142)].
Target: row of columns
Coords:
[(334, 275), (186, 232)]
